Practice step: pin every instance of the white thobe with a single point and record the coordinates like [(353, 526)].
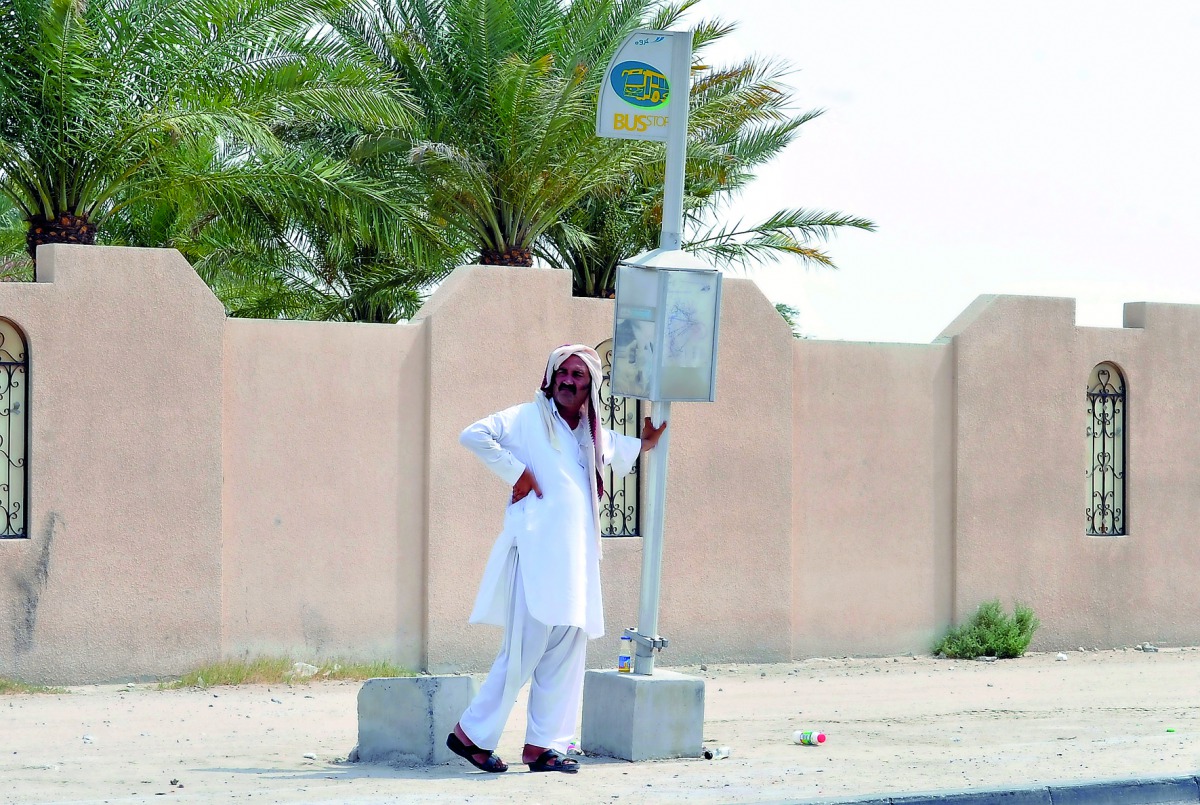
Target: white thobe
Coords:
[(552, 657), (542, 581), (556, 535)]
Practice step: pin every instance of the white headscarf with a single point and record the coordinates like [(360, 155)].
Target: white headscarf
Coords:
[(590, 407), (590, 412)]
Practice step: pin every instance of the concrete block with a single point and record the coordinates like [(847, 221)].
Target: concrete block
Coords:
[(405, 720), (642, 717)]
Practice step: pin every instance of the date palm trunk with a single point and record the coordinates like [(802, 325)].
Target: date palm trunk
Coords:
[(512, 256), (65, 227)]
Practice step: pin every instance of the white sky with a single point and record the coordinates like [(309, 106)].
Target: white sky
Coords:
[(1043, 148)]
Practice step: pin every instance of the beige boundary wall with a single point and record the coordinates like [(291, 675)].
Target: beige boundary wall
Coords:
[(1020, 492), (203, 487), (873, 543), (324, 495), (121, 574)]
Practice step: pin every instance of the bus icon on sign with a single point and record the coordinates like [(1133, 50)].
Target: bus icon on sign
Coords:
[(640, 84), (644, 85)]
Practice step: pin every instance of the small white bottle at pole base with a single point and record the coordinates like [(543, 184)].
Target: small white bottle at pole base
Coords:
[(625, 654)]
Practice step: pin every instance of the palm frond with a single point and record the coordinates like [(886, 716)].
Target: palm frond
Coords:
[(740, 117), (786, 233)]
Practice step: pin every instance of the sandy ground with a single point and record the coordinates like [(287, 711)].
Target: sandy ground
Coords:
[(894, 725)]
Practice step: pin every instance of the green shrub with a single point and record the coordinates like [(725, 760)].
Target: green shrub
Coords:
[(280, 670), (990, 633), (17, 686)]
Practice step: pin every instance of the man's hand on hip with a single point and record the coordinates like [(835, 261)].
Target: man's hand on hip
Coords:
[(524, 485)]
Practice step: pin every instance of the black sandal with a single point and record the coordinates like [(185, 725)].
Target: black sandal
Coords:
[(493, 764), (551, 760)]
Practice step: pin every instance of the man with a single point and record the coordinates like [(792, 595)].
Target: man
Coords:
[(542, 582)]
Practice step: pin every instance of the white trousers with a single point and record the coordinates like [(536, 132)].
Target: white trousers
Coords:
[(553, 656)]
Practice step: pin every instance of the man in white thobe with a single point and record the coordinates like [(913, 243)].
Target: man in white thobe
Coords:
[(542, 581)]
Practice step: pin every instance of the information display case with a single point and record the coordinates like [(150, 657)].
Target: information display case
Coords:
[(668, 313)]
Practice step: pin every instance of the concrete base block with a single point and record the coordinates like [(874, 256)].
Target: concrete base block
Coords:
[(637, 717), (405, 720)]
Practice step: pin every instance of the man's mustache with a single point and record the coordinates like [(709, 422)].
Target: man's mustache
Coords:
[(567, 387)]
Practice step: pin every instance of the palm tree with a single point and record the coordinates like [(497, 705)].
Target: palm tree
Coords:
[(312, 268), (334, 257), (339, 262), (739, 119), (507, 93), (103, 104)]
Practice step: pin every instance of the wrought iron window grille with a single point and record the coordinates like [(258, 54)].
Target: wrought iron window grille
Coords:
[(620, 507), (1107, 511), (14, 431)]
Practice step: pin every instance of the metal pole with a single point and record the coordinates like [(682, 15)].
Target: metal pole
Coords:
[(652, 539), (671, 237)]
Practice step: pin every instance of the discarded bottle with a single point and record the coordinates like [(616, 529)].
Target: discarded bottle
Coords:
[(719, 753), (808, 737), (625, 655)]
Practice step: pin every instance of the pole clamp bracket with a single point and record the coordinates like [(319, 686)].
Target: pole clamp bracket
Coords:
[(658, 642)]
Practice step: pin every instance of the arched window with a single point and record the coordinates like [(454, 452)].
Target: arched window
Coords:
[(1106, 509), (14, 397), (619, 508)]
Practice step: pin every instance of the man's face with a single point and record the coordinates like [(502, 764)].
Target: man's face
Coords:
[(571, 384)]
